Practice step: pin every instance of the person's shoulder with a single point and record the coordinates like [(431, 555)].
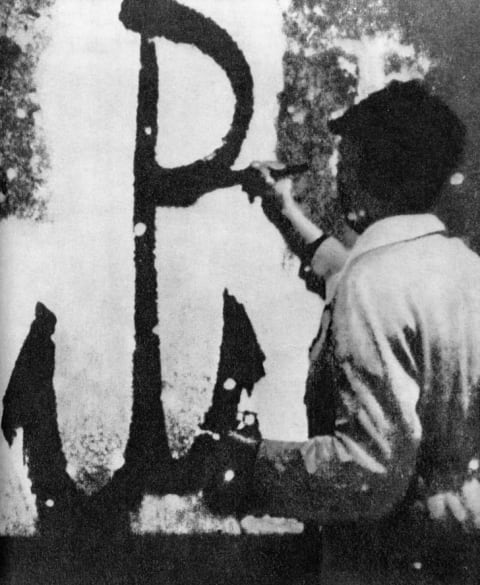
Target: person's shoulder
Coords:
[(374, 267), (434, 260)]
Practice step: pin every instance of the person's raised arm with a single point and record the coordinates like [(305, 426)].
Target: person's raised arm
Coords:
[(326, 254)]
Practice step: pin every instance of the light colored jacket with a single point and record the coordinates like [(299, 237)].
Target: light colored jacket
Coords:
[(402, 352)]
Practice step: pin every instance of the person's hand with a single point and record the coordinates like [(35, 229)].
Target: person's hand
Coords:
[(228, 488), (281, 192)]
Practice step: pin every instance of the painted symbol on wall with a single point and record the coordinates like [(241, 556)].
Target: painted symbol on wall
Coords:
[(30, 398)]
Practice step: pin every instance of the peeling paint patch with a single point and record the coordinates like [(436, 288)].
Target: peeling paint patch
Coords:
[(139, 229)]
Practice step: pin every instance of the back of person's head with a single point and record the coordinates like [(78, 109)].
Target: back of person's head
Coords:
[(409, 141)]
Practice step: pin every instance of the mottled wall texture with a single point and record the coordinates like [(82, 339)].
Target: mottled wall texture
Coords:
[(75, 234), (22, 152), (339, 52)]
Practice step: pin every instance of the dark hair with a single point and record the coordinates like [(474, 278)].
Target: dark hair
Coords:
[(410, 142)]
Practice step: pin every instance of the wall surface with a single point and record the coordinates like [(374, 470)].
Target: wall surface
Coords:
[(308, 61)]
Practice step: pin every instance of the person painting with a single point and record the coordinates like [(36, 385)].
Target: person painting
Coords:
[(392, 472)]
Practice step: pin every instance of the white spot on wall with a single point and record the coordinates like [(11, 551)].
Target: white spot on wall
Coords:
[(139, 229), (417, 566), (229, 476), (12, 174), (333, 162), (271, 525), (20, 113), (457, 179), (474, 465), (229, 384)]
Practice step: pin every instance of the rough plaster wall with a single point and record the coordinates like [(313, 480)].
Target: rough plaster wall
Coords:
[(23, 156), (79, 259)]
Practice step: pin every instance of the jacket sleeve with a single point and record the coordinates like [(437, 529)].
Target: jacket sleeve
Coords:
[(328, 258), (364, 468)]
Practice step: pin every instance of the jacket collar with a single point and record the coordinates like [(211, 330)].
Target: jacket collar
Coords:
[(385, 232)]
